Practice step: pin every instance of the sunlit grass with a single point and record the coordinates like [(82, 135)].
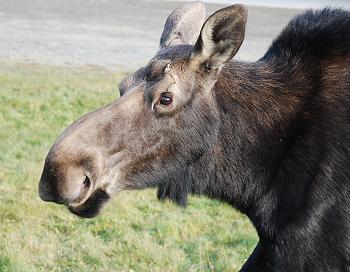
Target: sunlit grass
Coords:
[(135, 232)]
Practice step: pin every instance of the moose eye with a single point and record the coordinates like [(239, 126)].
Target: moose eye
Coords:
[(165, 99)]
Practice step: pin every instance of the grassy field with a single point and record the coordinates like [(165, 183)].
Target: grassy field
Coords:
[(135, 232)]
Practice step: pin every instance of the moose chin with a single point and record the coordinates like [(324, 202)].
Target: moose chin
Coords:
[(271, 138)]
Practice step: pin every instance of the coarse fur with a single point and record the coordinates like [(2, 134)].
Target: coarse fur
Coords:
[(271, 138)]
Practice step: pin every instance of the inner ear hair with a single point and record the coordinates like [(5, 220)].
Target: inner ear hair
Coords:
[(221, 37)]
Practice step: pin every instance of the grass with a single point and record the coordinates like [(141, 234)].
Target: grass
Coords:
[(135, 232)]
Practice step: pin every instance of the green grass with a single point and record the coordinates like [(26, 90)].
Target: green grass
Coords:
[(134, 233)]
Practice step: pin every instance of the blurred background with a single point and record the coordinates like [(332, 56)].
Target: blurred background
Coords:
[(62, 58), (121, 34)]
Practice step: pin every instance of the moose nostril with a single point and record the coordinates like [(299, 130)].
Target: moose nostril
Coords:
[(87, 182), (85, 190)]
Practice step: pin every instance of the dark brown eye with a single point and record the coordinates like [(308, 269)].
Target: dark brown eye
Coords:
[(165, 99)]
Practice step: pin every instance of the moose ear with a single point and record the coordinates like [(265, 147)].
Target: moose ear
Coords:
[(183, 25), (221, 36)]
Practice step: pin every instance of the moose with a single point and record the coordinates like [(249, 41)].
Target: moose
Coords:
[(271, 138)]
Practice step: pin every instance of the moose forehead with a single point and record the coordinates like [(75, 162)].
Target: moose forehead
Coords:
[(155, 67)]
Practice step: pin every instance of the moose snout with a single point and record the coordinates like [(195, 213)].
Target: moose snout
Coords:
[(64, 181), (76, 163)]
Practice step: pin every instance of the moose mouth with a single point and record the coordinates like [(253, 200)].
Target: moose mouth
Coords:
[(92, 206)]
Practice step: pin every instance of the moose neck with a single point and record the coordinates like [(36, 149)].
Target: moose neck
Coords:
[(259, 108)]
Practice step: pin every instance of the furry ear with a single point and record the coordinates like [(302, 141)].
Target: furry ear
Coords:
[(183, 25), (221, 36)]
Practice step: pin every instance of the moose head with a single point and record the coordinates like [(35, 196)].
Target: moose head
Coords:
[(165, 120)]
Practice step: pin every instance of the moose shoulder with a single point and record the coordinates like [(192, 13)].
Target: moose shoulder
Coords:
[(272, 138)]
